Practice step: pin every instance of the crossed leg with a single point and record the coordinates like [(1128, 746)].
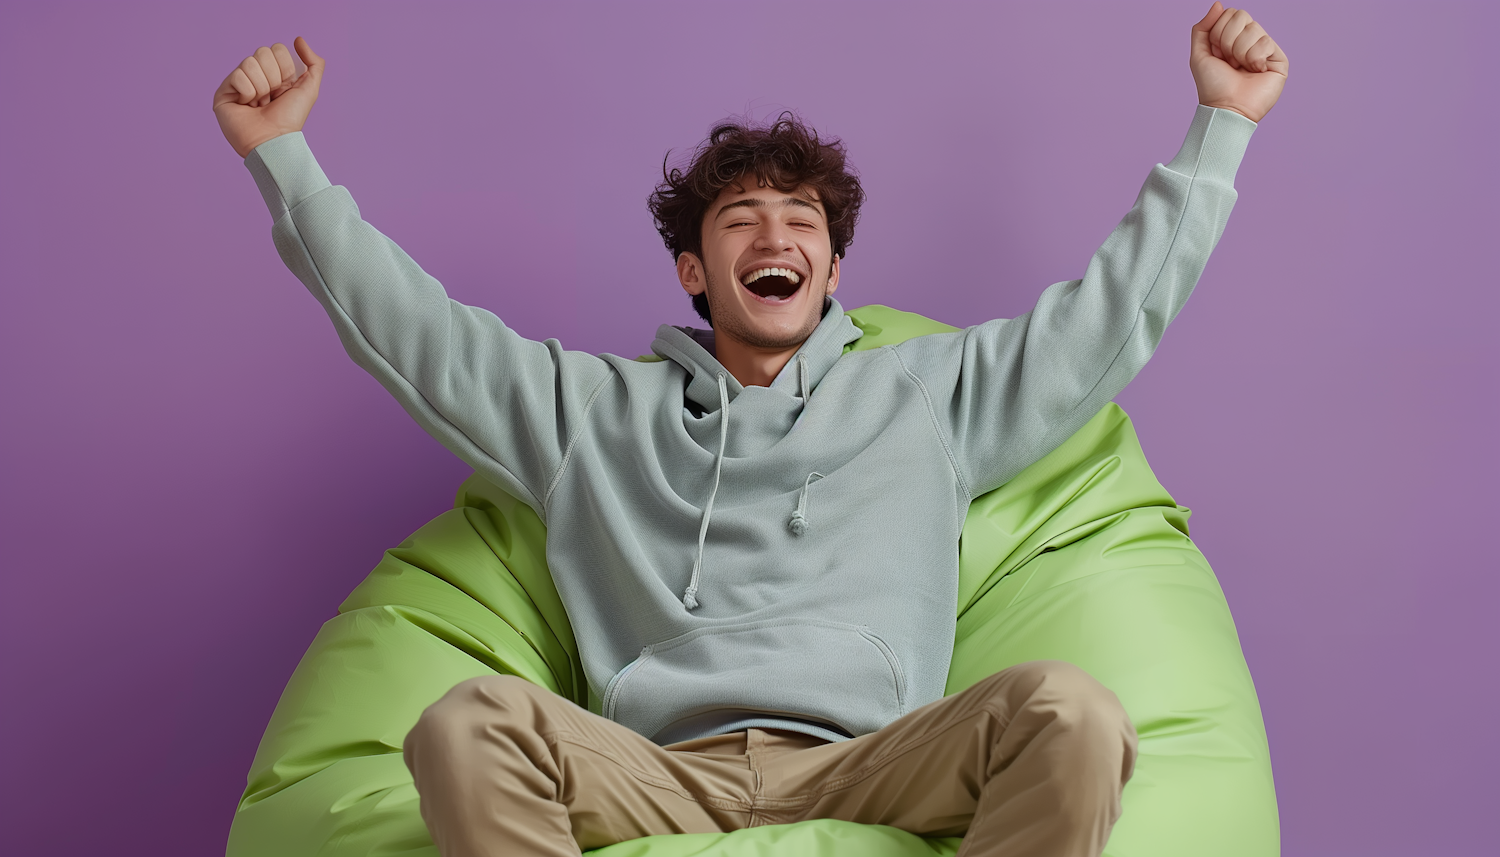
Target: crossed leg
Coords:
[(1030, 760)]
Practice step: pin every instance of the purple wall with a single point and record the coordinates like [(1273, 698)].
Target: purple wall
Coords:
[(194, 474)]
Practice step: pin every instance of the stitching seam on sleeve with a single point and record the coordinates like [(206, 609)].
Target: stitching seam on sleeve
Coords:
[(1155, 281), (937, 429), (583, 419), (437, 415)]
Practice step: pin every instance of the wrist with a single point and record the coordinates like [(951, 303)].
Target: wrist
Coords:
[(249, 144), (1234, 109), (1215, 145)]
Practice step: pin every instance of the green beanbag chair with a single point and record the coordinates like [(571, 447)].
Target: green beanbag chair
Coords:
[(1083, 557)]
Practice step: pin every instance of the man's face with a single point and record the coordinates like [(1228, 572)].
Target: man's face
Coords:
[(767, 264)]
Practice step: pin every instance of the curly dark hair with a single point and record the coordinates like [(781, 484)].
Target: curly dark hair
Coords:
[(785, 155)]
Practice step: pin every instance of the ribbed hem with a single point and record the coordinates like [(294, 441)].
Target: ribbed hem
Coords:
[(1215, 145), (286, 172)]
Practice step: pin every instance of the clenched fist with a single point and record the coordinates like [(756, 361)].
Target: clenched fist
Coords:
[(1235, 64), (265, 97)]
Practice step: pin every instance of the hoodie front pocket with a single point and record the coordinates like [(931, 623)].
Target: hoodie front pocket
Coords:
[(830, 671), (612, 690)]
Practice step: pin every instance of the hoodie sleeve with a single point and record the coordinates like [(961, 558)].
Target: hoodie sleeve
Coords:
[(1009, 391), (504, 404)]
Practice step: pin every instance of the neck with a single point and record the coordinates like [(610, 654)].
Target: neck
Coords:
[(751, 365)]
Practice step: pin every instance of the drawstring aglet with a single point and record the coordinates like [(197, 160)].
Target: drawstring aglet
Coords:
[(798, 523)]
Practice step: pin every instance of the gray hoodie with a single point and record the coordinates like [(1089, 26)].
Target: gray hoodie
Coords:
[(782, 556)]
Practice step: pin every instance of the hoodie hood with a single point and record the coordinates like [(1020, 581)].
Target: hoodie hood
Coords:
[(693, 350)]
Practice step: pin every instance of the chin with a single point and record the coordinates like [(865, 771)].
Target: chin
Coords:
[(773, 314), (781, 332)]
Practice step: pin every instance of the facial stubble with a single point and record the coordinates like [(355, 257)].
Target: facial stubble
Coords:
[(730, 324)]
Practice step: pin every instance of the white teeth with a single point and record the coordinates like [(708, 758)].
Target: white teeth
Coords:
[(773, 272)]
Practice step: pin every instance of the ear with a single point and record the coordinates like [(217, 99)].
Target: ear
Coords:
[(690, 274), (833, 276)]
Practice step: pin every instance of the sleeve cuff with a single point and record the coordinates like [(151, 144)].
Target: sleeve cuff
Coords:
[(1215, 145), (286, 172)]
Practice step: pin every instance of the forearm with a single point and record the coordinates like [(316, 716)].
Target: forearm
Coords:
[(392, 316), (488, 394), (1016, 388), (1143, 274)]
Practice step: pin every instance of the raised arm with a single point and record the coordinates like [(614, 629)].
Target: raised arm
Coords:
[(1009, 391), (506, 405)]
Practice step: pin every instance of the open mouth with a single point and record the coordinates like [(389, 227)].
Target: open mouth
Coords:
[(773, 285)]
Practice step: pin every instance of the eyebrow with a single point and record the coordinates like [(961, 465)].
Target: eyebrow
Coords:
[(760, 203)]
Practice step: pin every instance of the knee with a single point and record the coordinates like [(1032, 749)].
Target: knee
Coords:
[(471, 707), (1066, 716), (1068, 695)]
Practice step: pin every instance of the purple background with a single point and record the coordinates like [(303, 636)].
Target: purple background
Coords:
[(194, 474)]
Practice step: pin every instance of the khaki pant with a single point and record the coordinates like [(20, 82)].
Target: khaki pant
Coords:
[(1029, 761)]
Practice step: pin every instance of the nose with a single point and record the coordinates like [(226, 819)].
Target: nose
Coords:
[(773, 236)]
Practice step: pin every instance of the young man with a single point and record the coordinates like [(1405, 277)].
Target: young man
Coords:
[(731, 528)]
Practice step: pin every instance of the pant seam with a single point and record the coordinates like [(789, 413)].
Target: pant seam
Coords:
[(873, 766), (723, 803)]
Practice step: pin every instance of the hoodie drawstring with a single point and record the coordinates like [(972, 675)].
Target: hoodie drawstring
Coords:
[(690, 596), (799, 523)]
